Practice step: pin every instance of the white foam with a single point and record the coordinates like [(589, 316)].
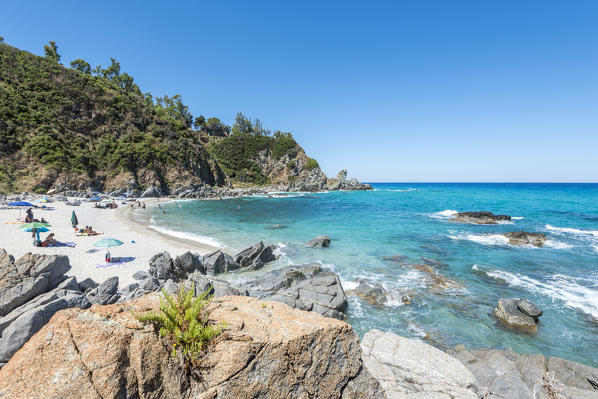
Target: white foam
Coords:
[(447, 213), (484, 239), (279, 249), (517, 217), (559, 287), (188, 236), (349, 285), (571, 230), (595, 247), (475, 267), (399, 190), (557, 244)]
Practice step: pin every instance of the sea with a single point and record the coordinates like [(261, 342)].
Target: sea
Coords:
[(379, 235)]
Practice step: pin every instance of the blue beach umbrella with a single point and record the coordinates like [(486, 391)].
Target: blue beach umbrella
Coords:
[(21, 203), (95, 198)]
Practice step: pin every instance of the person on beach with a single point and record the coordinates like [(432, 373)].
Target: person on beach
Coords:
[(49, 240), (143, 205), (29, 217)]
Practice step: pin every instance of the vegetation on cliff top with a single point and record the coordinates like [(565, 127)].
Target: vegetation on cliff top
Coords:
[(96, 122)]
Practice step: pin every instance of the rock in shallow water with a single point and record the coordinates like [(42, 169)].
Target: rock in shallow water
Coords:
[(480, 217), (508, 312), (319, 241), (524, 238)]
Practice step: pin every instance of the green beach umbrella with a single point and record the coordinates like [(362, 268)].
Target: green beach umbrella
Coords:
[(41, 227), (74, 220), (108, 242)]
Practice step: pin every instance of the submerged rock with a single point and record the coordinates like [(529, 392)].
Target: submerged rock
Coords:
[(524, 238), (268, 350), (480, 217), (509, 312), (319, 241), (372, 292)]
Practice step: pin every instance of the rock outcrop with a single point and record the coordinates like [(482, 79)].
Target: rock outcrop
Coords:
[(410, 369), (308, 287), (505, 374), (267, 350), (255, 257), (32, 289), (525, 238), (370, 291), (319, 241), (480, 217), (518, 313)]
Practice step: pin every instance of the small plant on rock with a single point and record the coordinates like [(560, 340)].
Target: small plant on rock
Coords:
[(183, 325)]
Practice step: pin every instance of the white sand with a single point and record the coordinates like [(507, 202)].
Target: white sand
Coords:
[(115, 223)]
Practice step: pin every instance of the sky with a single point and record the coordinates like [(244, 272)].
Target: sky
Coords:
[(393, 91)]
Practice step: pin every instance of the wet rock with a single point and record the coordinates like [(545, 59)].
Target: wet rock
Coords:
[(528, 308), (524, 238), (372, 292), (395, 258), (319, 241), (434, 263), (480, 217), (508, 312), (436, 283)]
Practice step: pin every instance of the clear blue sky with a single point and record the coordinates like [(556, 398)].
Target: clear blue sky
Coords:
[(392, 91)]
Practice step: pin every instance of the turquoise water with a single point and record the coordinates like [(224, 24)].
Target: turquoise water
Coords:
[(413, 220)]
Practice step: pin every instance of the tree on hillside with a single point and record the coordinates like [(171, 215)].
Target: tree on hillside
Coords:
[(51, 52), (242, 124), (199, 122), (1, 39), (81, 66), (97, 71), (258, 128), (113, 71), (174, 108), (215, 127)]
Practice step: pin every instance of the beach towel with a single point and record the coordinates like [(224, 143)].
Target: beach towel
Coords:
[(87, 235), (62, 244), (116, 261)]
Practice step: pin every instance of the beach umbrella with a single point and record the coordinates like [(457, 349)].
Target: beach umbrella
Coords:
[(74, 220), (43, 227), (21, 203), (108, 242), (95, 198)]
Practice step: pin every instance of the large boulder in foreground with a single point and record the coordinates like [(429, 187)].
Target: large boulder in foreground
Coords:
[(480, 217), (268, 350), (411, 369)]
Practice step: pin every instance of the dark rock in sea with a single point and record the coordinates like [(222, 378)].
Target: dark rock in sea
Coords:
[(319, 241), (219, 262), (528, 308), (21, 323), (395, 258), (372, 292), (308, 287), (434, 263), (140, 275), (480, 217), (508, 312), (525, 238), (277, 226), (28, 277), (105, 293)]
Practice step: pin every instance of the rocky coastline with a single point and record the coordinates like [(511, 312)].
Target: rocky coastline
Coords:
[(63, 338)]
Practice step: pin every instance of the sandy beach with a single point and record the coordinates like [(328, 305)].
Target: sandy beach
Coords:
[(140, 242)]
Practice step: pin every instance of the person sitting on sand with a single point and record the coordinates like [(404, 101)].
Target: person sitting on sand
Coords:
[(29, 217), (49, 240)]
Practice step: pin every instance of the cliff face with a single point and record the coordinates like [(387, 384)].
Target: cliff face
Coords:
[(64, 129)]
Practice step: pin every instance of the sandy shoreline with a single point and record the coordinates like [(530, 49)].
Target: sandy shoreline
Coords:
[(140, 242)]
